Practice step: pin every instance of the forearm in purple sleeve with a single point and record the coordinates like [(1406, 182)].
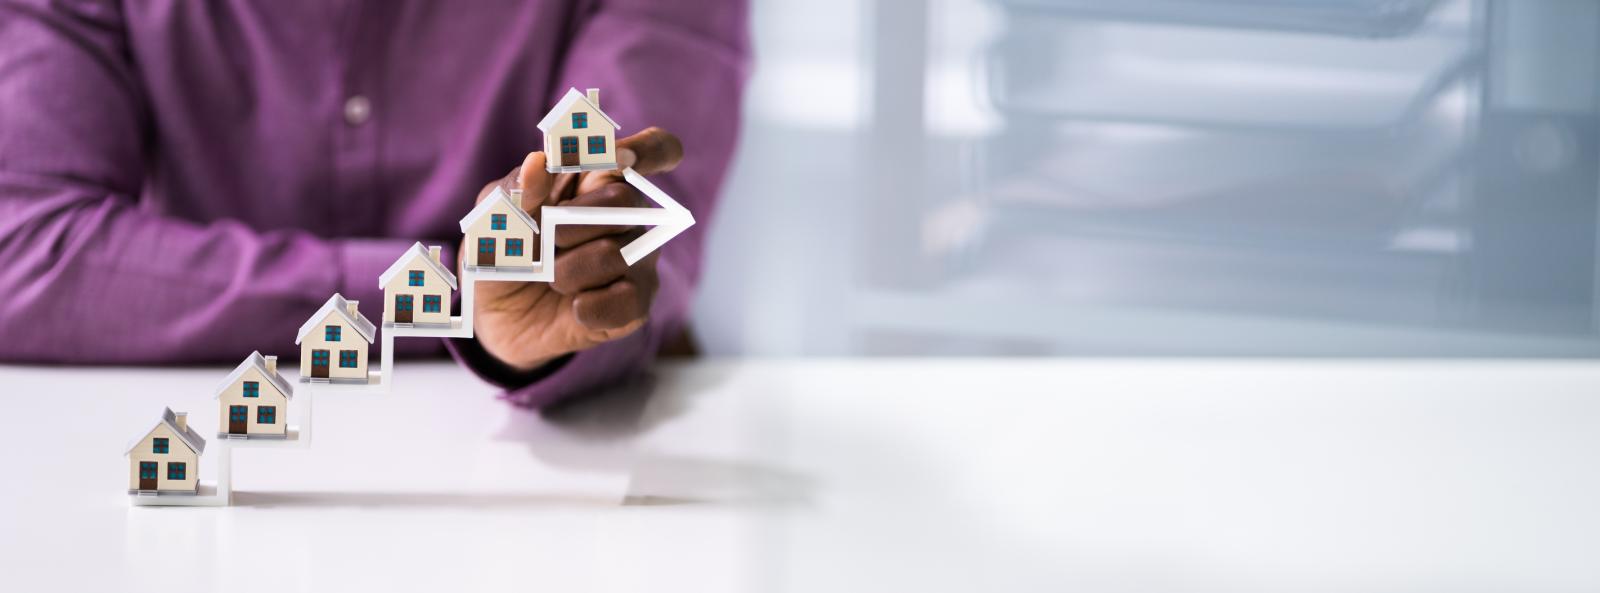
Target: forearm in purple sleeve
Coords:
[(93, 280), (89, 276), (680, 66)]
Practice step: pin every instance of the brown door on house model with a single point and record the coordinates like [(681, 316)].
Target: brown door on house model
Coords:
[(147, 475), (569, 151), (319, 364), (486, 252), (237, 417), (402, 308)]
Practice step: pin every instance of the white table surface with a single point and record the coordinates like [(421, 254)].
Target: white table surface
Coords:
[(876, 475)]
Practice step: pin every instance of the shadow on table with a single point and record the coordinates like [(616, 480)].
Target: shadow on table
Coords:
[(629, 409), (673, 480), (597, 431), (614, 413), (594, 434), (385, 500), (600, 433)]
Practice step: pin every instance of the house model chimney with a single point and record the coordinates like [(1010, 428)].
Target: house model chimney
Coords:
[(516, 198), (594, 98), (433, 252), (182, 419), (350, 307), (272, 364)]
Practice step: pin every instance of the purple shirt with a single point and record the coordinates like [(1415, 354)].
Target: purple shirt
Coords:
[(188, 181)]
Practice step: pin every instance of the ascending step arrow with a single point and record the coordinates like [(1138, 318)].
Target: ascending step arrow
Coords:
[(669, 220)]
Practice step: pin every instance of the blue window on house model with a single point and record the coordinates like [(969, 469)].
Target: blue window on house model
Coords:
[(414, 278), (431, 303), (158, 446), (569, 145), (319, 357), (266, 414), (513, 246), (497, 222), (238, 414), (347, 359), (597, 145), (580, 120), (252, 389), (177, 470), (332, 333), (147, 470)]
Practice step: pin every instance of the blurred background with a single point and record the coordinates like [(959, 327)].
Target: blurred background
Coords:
[(1164, 177)]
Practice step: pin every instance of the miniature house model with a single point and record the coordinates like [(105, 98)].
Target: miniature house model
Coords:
[(253, 401), (334, 343), (499, 233), (417, 288), (166, 460), (578, 136)]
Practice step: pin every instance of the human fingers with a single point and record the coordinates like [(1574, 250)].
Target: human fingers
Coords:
[(615, 195), (614, 306), (615, 309), (649, 152), (589, 266), (534, 181)]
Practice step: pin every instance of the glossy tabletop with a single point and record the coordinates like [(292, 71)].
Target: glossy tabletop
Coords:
[(861, 475)]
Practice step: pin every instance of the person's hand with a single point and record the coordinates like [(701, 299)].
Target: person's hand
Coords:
[(596, 296)]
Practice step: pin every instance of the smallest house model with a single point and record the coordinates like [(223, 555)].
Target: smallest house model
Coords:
[(334, 342), (416, 289), (499, 232), (166, 460), (253, 400), (578, 136)]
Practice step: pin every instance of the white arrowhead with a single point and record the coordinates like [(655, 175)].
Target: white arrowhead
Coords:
[(669, 220), (679, 219)]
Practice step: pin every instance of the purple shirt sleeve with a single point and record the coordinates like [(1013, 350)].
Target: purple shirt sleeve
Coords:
[(653, 60), (91, 277)]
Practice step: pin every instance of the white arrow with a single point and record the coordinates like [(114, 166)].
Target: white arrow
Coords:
[(669, 220)]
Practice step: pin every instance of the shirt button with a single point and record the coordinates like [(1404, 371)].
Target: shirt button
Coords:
[(356, 110)]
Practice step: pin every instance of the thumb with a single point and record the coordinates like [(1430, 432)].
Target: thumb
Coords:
[(534, 181)]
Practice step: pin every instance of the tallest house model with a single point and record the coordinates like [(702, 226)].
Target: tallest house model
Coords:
[(578, 136)]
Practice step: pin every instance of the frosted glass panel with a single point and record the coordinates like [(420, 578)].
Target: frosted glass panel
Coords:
[(1196, 177)]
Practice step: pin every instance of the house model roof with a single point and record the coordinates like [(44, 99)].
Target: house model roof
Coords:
[(259, 363), (565, 105), (189, 436), (337, 305), (483, 208), (417, 250)]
